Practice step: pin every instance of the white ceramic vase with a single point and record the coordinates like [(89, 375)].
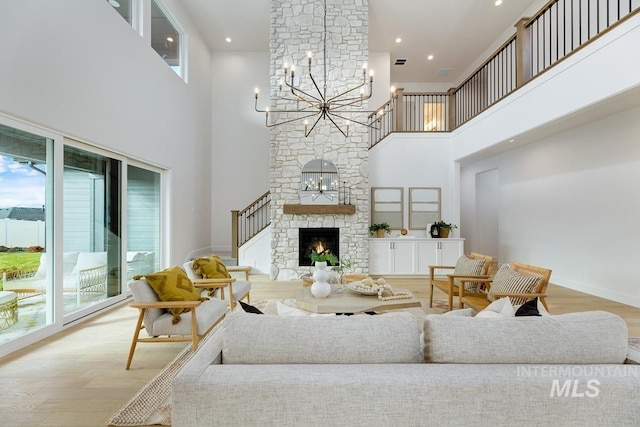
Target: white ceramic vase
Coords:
[(320, 287)]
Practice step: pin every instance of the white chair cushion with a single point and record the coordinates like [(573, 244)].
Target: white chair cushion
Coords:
[(89, 260), (142, 292), (207, 314)]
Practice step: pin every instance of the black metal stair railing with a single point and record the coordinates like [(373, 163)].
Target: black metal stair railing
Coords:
[(558, 30), (250, 221)]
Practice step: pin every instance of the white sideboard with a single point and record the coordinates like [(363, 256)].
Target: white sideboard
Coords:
[(412, 256)]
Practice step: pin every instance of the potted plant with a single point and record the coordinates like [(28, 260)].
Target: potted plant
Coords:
[(445, 228), (345, 265), (379, 229), (325, 256)]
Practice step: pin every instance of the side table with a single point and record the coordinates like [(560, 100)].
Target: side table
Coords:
[(8, 309)]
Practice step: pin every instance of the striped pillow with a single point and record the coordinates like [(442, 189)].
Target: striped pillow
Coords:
[(468, 267), (508, 281)]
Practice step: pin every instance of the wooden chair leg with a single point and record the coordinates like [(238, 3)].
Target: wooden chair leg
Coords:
[(431, 294), (450, 293), (544, 303), (194, 330), (136, 334)]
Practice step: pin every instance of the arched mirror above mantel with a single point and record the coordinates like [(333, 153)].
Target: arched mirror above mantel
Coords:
[(319, 183)]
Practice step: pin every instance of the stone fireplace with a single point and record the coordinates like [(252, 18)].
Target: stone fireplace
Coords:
[(296, 27)]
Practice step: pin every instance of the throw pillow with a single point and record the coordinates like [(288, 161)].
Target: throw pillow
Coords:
[(508, 281), (499, 309), (173, 284), (539, 308), (529, 308), (468, 267), (249, 308), (210, 268)]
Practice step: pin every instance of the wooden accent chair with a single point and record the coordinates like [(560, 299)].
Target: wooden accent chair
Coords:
[(449, 284), (238, 289), (479, 301), (155, 318)]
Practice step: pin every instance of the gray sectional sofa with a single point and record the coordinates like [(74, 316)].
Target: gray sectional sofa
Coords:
[(564, 370)]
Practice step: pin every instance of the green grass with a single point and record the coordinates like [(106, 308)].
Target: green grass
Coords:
[(18, 262)]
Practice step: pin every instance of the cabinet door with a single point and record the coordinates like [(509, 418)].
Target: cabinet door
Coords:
[(403, 257), (450, 251), (427, 255), (379, 257)]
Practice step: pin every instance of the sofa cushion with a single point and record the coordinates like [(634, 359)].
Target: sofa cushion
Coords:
[(387, 338), (578, 338), (508, 281)]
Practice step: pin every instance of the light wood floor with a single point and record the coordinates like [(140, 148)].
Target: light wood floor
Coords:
[(77, 378)]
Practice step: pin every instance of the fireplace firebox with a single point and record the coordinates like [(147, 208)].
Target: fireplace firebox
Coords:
[(320, 240)]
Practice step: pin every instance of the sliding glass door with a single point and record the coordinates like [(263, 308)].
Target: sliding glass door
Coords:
[(25, 188), (91, 224), (76, 224), (143, 221)]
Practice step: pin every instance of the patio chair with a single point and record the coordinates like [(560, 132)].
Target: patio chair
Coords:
[(519, 281), (475, 266), (157, 319), (238, 289)]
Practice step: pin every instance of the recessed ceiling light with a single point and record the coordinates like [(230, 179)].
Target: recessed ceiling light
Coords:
[(512, 140), (498, 2), (398, 40), (114, 3), (228, 39), (430, 57), (170, 39)]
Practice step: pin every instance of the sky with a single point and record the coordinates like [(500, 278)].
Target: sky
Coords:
[(20, 186)]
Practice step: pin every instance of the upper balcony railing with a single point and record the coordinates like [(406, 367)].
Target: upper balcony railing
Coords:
[(559, 29)]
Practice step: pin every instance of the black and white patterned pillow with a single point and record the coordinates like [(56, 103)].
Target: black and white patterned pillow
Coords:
[(508, 281), (469, 267)]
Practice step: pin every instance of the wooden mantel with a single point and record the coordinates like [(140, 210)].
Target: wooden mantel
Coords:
[(319, 209)]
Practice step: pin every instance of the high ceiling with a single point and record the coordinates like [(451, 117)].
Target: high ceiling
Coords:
[(455, 32)]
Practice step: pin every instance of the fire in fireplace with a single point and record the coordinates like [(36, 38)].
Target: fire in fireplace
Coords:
[(320, 240)]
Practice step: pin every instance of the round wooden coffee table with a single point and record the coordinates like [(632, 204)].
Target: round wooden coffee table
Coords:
[(350, 302)]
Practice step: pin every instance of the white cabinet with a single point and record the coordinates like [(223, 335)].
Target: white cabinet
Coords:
[(412, 256), (391, 256), (438, 252)]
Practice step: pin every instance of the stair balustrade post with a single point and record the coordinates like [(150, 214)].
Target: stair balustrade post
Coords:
[(398, 126), (234, 234), (452, 109), (523, 53)]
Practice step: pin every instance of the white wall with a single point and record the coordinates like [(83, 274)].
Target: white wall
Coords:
[(240, 163), (78, 68), (569, 202), (416, 160), (380, 63)]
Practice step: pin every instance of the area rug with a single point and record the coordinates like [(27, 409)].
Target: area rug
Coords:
[(151, 405)]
